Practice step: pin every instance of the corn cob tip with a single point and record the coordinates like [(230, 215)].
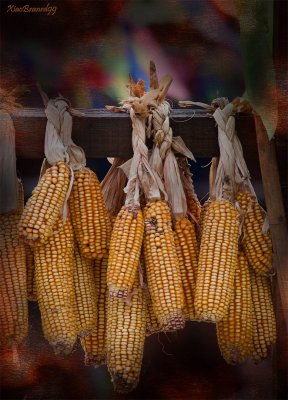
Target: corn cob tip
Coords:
[(120, 383), (92, 360), (61, 348), (85, 332), (174, 322)]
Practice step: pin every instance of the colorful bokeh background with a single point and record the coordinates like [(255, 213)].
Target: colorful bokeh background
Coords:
[(87, 48)]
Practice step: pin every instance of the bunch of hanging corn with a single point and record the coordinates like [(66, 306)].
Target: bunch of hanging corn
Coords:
[(257, 244), (89, 215), (13, 280), (44, 206)]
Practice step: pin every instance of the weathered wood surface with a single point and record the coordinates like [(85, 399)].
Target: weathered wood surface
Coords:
[(103, 133), (279, 234)]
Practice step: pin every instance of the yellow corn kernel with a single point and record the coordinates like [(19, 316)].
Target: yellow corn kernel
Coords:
[(85, 293), (125, 250), (187, 252), (94, 345), (257, 245), (263, 316), (217, 261), (126, 325), (89, 215), (54, 270), (234, 331), (43, 208), (152, 323), (13, 284), (162, 266), (30, 266)]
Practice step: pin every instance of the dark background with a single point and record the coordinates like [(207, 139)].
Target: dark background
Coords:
[(85, 52)]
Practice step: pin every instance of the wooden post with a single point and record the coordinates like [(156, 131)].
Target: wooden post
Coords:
[(279, 234)]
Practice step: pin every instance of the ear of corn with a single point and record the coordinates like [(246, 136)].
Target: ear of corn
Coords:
[(89, 215), (152, 323), (125, 250), (204, 211), (187, 252), (94, 345), (30, 266), (126, 326), (257, 245), (217, 261), (264, 321), (162, 266), (13, 283), (54, 269), (234, 331), (85, 293), (43, 208), (193, 207)]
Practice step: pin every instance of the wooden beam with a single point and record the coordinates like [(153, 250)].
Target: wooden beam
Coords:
[(279, 234), (103, 133)]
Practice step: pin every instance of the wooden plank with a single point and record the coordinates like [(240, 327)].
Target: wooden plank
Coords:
[(103, 133), (279, 234)]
